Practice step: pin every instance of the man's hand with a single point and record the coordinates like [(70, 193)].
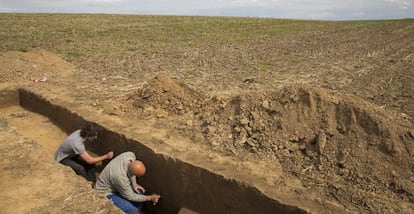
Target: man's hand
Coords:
[(109, 155), (139, 188), (154, 198)]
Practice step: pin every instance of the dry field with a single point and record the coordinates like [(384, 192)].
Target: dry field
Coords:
[(331, 103)]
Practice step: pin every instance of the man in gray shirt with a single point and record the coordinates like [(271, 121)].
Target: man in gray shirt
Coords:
[(118, 183), (72, 153)]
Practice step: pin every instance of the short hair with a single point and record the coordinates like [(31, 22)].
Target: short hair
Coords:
[(90, 130)]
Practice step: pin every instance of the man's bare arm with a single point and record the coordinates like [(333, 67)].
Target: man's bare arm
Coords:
[(92, 160)]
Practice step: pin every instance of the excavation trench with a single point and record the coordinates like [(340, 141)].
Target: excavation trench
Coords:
[(180, 184)]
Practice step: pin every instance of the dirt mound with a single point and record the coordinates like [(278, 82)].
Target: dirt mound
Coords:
[(163, 96), (26, 66), (340, 146), (299, 115), (336, 144)]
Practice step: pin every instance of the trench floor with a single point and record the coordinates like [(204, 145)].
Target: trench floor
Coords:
[(34, 126)]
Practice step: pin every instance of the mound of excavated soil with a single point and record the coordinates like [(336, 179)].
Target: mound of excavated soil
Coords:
[(338, 145), (163, 96), (24, 67)]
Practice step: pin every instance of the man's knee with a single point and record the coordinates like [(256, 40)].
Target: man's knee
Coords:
[(72, 164), (78, 169)]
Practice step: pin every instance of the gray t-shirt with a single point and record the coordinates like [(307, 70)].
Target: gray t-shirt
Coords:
[(114, 178), (72, 146)]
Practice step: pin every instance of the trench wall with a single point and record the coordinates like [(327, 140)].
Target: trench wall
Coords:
[(180, 184)]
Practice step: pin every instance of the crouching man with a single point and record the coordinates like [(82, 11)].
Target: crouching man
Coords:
[(72, 152), (117, 182)]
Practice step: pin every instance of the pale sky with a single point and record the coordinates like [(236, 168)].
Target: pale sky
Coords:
[(291, 9)]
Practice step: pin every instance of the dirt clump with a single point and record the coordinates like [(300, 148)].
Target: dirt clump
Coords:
[(163, 96), (338, 145)]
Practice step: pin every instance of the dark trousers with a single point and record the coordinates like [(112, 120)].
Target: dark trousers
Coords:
[(81, 167)]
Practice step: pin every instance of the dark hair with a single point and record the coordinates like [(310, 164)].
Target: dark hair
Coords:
[(89, 131)]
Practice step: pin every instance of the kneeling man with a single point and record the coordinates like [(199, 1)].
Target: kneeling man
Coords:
[(118, 183)]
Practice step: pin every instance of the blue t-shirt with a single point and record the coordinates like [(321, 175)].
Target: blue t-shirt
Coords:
[(72, 146)]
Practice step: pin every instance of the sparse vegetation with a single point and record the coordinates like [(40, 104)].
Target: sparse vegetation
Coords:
[(223, 49)]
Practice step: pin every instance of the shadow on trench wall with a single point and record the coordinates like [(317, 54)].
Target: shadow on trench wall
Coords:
[(180, 184)]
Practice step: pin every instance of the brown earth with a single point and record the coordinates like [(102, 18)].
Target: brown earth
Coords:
[(30, 181), (336, 126)]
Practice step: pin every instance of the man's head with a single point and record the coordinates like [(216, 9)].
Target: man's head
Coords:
[(137, 168), (89, 132)]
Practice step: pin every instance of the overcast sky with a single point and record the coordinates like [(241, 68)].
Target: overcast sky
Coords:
[(293, 9)]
